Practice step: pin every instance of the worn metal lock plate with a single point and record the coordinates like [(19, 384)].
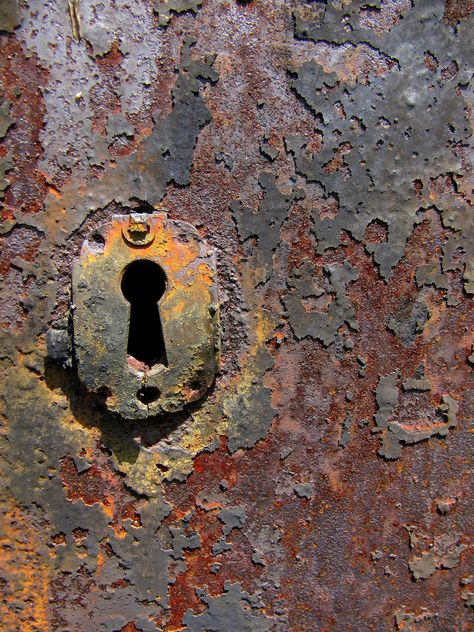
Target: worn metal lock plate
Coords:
[(146, 322)]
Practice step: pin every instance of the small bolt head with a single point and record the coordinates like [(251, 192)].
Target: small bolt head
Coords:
[(138, 231)]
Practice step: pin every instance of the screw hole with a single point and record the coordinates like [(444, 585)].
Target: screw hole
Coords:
[(148, 394), (98, 238), (96, 242)]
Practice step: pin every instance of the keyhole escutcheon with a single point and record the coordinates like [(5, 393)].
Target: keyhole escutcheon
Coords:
[(143, 284)]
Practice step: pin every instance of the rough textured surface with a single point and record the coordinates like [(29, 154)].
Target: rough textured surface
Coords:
[(323, 150), (188, 315)]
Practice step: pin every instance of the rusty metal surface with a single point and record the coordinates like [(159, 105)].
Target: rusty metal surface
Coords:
[(188, 317), (323, 149)]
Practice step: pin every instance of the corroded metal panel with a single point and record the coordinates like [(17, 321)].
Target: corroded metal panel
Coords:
[(323, 150)]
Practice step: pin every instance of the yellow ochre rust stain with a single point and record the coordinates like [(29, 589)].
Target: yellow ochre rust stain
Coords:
[(26, 571)]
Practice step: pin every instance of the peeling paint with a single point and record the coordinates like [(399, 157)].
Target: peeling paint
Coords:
[(165, 8), (322, 150), (445, 552), (395, 434), (226, 612)]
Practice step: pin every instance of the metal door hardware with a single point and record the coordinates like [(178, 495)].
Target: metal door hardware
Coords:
[(146, 321)]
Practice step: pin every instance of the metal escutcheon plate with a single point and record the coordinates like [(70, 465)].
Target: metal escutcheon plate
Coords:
[(188, 309)]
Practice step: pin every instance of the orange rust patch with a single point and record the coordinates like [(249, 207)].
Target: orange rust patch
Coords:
[(100, 484), (25, 575)]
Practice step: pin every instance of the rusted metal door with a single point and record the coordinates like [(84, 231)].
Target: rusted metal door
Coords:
[(310, 470)]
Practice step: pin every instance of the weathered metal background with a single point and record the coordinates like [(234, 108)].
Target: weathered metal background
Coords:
[(322, 149)]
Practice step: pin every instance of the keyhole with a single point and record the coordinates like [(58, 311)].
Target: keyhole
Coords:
[(143, 284)]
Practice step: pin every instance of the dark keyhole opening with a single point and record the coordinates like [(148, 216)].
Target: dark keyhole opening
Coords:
[(143, 284)]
